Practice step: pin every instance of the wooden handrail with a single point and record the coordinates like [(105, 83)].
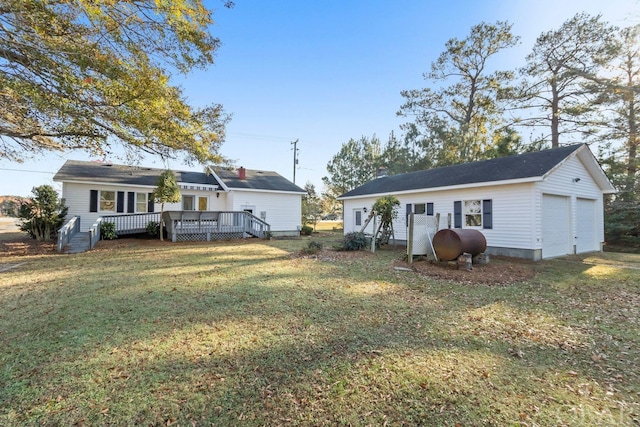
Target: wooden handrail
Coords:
[(67, 231)]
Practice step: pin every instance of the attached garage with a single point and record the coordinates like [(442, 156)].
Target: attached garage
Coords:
[(556, 226), (586, 240)]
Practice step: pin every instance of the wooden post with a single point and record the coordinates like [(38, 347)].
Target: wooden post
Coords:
[(374, 234), (393, 235), (410, 240)]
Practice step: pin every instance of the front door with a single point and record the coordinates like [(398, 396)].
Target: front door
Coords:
[(357, 219)]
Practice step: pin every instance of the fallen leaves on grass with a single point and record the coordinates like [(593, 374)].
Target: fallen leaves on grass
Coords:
[(26, 246)]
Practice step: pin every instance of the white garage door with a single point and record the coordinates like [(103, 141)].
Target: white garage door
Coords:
[(556, 234), (586, 226)]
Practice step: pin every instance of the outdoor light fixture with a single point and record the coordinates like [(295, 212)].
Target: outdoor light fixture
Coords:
[(364, 209), (576, 179), (217, 194)]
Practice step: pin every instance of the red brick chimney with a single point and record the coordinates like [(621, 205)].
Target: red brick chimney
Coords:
[(242, 173)]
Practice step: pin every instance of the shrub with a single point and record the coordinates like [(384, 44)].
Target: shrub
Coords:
[(306, 230), (43, 214), (153, 228), (108, 231), (354, 241), (312, 248)]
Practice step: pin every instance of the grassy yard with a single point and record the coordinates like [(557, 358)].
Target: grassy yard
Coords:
[(328, 225), (250, 333)]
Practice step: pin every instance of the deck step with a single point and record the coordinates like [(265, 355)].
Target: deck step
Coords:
[(79, 243)]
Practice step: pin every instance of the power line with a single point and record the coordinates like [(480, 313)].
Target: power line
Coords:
[(25, 170)]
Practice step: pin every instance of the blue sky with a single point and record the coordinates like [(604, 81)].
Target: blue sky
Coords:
[(324, 72)]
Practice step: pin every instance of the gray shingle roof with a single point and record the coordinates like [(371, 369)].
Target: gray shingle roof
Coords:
[(257, 180), (75, 170), (527, 165)]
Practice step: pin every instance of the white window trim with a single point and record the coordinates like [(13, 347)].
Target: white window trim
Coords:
[(146, 203), (465, 213), (193, 198)]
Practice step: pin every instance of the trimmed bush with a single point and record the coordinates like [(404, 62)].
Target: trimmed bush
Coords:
[(108, 231), (354, 241), (153, 228), (306, 230)]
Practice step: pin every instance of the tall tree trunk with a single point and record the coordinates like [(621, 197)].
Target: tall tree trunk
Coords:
[(632, 151), (555, 115)]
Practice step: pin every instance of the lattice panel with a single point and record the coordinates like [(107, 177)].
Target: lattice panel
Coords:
[(424, 228), (202, 237)]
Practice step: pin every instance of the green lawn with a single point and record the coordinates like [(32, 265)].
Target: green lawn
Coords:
[(244, 333)]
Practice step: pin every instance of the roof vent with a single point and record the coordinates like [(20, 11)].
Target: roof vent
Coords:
[(242, 173)]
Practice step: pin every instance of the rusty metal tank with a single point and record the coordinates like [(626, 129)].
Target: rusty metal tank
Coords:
[(450, 243)]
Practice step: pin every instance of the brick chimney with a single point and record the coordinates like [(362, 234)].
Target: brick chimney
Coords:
[(242, 173)]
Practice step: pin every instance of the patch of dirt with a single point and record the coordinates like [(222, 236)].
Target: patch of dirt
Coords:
[(499, 271), (26, 246)]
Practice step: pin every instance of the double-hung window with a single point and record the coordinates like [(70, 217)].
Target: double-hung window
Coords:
[(141, 202), (473, 214), (107, 201)]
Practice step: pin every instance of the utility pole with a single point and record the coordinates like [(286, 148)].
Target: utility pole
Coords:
[(295, 158)]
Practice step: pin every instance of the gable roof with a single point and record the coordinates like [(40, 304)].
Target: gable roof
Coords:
[(81, 171), (524, 167), (256, 180)]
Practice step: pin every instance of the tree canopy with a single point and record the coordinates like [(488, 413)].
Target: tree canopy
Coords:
[(459, 115), (559, 70), (83, 74)]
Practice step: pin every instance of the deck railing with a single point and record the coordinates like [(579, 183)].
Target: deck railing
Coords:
[(94, 233), (213, 225), (67, 231), (132, 223)]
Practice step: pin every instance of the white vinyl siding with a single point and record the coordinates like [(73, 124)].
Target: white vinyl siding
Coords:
[(283, 210), (511, 211), (76, 197), (517, 209)]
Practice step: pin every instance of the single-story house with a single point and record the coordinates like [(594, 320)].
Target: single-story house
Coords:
[(92, 189), (534, 205)]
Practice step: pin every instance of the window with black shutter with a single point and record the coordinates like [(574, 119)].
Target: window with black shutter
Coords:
[(487, 214), (93, 201), (131, 202), (457, 214), (120, 202)]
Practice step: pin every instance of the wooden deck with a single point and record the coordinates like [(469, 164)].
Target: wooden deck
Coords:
[(180, 226), (213, 225)]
